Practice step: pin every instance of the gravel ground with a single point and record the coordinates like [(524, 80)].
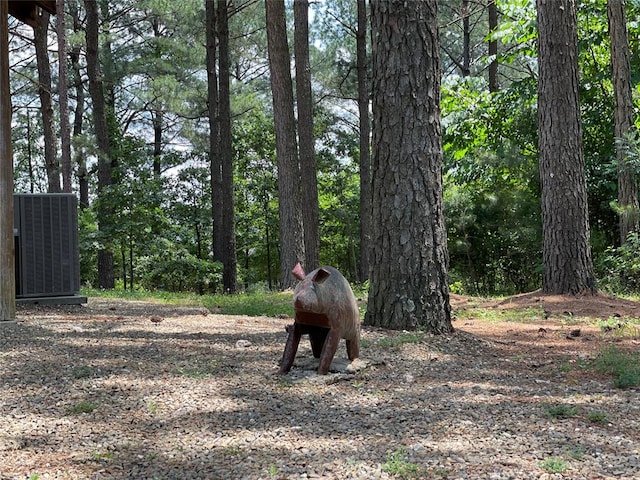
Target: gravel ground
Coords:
[(136, 390)]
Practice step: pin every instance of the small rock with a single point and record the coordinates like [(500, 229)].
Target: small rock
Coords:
[(243, 344)]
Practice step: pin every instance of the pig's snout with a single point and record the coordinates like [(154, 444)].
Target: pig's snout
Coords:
[(306, 301)]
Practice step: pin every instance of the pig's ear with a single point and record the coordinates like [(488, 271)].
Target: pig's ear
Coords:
[(298, 272), (321, 275)]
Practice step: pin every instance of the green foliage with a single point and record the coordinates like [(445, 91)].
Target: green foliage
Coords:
[(554, 465), (524, 315), (252, 304), (257, 303), (397, 464), (618, 268), (158, 296), (560, 411), (88, 244), (179, 272), (491, 188), (256, 181), (623, 366), (597, 417), (152, 406), (396, 341), (82, 407), (518, 31), (99, 457), (620, 326)]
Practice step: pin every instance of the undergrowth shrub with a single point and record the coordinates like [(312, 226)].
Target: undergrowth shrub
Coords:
[(623, 366), (618, 268), (181, 272)]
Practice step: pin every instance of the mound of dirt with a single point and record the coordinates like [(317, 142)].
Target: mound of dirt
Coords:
[(599, 306)]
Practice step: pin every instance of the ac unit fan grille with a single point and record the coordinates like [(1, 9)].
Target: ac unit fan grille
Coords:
[(47, 253)]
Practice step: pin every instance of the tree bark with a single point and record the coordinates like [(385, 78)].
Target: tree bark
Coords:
[(289, 195), (623, 116), (106, 278), (493, 46), (156, 120), (229, 261), (52, 165), (78, 114), (466, 39), (409, 285), (7, 245), (214, 133), (308, 170), (63, 95), (568, 267), (157, 115), (365, 133)]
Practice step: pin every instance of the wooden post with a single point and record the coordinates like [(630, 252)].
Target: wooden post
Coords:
[(7, 263)]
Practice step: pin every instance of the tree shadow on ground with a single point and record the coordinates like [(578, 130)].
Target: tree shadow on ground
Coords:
[(176, 400)]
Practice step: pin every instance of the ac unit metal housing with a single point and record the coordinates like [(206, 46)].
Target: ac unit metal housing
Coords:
[(46, 246)]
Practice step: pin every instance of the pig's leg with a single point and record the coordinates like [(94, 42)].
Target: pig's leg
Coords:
[(353, 348), (317, 336), (291, 348), (329, 350)]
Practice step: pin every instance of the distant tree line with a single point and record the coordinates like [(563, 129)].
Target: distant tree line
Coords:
[(213, 144)]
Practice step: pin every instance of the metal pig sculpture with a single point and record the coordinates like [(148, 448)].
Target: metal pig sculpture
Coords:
[(326, 310)]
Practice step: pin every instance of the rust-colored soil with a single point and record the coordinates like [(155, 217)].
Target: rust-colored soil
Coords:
[(566, 323)]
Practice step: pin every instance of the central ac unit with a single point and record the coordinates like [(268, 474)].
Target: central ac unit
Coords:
[(46, 234)]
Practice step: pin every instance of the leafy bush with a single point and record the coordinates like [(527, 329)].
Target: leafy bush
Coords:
[(180, 272), (618, 269)]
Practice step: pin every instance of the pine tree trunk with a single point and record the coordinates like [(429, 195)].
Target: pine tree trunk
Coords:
[(40, 34), (566, 254), (365, 133), (466, 39), (623, 116), (63, 95), (157, 115), (7, 268), (310, 208), (493, 46), (106, 278), (157, 121), (214, 133), (289, 196), (409, 285), (229, 261), (78, 114)]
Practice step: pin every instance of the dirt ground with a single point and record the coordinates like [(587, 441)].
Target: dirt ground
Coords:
[(565, 321), (594, 306), (123, 389)]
